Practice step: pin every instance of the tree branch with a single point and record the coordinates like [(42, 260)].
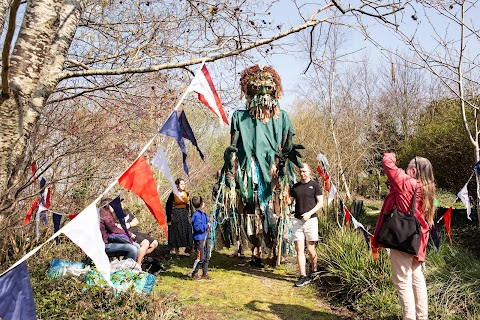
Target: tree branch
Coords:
[(7, 45), (182, 64)]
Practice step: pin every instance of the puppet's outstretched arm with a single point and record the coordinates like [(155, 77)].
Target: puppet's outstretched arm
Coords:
[(290, 151), (228, 155)]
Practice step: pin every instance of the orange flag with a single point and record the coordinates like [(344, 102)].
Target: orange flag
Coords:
[(374, 248), (139, 179)]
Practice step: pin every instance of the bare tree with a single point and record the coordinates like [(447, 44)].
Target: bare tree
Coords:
[(444, 38), (66, 49)]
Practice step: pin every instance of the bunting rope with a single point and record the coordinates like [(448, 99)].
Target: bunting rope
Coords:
[(56, 234)]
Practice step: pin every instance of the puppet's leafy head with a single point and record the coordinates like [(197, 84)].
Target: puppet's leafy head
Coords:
[(262, 88)]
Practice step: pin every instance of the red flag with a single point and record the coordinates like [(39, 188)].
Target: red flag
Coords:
[(139, 179), (34, 170), (46, 198), (72, 216), (30, 211), (447, 217), (347, 216), (203, 85), (325, 177), (374, 247)]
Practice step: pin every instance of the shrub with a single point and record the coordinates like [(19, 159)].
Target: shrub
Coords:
[(354, 277), (453, 280), (68, 298)]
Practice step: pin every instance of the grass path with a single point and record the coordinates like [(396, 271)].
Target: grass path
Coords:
[(239, 291)]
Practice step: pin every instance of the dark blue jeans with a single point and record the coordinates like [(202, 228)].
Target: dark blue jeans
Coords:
[(202, 250), (126, 250)]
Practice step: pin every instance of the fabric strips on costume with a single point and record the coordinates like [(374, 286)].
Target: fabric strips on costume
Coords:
[(138, 178), (258, 167)]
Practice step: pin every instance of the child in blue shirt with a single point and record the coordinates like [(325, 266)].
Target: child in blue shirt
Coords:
[(201, 226)]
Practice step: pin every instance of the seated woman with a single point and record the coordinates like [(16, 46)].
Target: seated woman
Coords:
[(108, 228), (144, 240)]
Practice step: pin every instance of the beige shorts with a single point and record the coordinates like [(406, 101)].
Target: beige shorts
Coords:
[(305, 230)]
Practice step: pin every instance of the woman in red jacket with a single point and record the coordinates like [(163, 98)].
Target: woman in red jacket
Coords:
[(407, 275)]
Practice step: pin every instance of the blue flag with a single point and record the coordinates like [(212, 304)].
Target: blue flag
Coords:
[(187, 132), (435, 238), (16, 295), (476, 167), (57, 218), (179, 128), (171, 128), (116, 204)]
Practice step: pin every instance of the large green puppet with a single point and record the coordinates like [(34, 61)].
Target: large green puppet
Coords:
[(261, 155)]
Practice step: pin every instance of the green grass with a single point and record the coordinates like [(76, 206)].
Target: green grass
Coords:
[(240, 291), (354, 279)]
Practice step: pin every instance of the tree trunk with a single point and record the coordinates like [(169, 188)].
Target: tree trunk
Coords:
[(36, 64)]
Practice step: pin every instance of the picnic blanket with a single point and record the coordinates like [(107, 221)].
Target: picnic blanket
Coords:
[(141, 282)]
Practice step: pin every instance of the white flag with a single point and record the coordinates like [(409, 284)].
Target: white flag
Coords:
[(463, 195), (84, 231), (321, 157), (356, 224), (203, 85), (160, 161), (331, 195)]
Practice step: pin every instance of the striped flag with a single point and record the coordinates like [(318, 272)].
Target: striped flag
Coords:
[(202, 84)]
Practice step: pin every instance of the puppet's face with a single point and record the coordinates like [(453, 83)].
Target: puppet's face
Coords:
[(261, 85), (261, 92)]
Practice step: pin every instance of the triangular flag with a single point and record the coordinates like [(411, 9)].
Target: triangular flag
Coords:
[(160, 161), (331, 195), (345, 212), (30, 211), (347, 217), (325, 177), (34, 171), (203, 85), (84, 231), (57, 218), (435, 238), (139, 179), (172, 128), (187, 132), (366, 235), (357, 225), (71, 216), (476, 168), (116, 205), (16, 295), (374, 248), (447, 218), (463, 195), (40, 211)]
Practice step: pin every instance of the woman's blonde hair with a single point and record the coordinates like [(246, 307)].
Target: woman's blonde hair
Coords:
[(424, 173)]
